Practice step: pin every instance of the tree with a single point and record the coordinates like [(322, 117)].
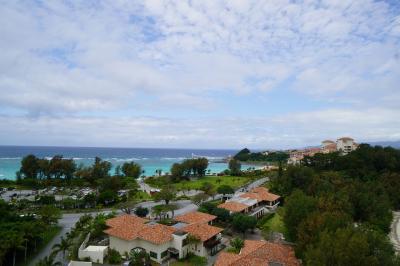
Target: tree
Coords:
[(225, 189), (199, 198), (208, 188), (62, 247), (200, 166), (29, 166), (139, 258), (141, 211), (222, 214), (127, 207), (100, 168), (177, 172), (49, 214), (167, 194), (15, 242), (298, 207), (351, 246), (48, 261), (108, 196), (234, 167), (237, 244), (242, 222), (131, 169)]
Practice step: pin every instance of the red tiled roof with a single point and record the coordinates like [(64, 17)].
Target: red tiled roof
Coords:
[(129, 227), (260, 194), (202, 230), (255, 253), (345, 138), (195, 217), (233, 206)]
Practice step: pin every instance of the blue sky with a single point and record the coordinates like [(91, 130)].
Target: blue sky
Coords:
[(198, 74)]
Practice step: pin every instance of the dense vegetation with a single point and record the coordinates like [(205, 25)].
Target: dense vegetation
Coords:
[(188, 168), (245, 155), (22, 235), (338, 209), (59, 171)]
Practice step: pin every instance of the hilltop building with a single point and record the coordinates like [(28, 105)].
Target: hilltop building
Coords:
[(342, 145)]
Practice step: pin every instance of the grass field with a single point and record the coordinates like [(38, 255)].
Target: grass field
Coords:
[(233, 181), (275, 224)]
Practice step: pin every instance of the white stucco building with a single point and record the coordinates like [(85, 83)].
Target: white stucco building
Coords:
[(345, 145), (161, 242)]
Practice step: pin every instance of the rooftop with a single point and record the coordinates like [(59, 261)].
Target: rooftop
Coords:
[(129, 227), (202, 230), (195, 217), (255, 253), (260, 194), (233, 206)]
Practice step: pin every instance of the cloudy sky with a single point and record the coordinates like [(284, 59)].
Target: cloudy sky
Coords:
[(198, 74)]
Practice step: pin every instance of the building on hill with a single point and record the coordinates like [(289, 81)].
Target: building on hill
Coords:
[(255, 253), (345, 145), (128, 232), (256, 202)]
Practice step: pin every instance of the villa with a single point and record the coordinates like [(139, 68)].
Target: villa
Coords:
[(256, 252), (255, 203), (161, 242)]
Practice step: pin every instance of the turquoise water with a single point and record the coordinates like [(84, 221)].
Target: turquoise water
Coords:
[(149, 159)]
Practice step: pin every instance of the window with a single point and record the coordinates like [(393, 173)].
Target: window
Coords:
[(153, 255), (164, 254)]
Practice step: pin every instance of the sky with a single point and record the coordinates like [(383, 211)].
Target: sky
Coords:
[(266, 74)]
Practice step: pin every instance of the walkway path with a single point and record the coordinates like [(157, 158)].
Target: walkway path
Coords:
[(395, 231)]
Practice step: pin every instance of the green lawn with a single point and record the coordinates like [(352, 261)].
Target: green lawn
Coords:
[(274, 224), (142, 196), (233, 181)]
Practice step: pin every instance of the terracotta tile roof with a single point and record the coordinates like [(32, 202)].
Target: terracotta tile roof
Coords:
[(255, 253), (233, 206), (129, 227), (202, 230), (345, 138), (195, 217), (260, 194)]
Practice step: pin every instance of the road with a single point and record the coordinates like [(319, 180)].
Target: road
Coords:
[(395, 231), (68, 221)]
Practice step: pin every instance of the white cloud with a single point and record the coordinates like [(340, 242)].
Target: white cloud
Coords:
[(281, 131), (88, 57)]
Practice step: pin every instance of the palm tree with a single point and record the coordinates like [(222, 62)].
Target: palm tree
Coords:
[(237, 244), (139, 258), (48, 261), (16, 241), (63, 246)]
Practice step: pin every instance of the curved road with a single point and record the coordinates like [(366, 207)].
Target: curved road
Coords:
[(68, 221)]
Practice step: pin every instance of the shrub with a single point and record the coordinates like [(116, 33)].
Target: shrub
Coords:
[(114, 257)]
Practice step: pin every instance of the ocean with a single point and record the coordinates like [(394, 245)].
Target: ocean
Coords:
[(149, 159)]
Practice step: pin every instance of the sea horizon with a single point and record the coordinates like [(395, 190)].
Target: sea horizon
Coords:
[(150, 159)]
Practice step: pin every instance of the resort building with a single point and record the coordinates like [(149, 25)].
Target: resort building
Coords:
[(345, 145), (257, 252), (128, 232), (255, 203), (328, 146)]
